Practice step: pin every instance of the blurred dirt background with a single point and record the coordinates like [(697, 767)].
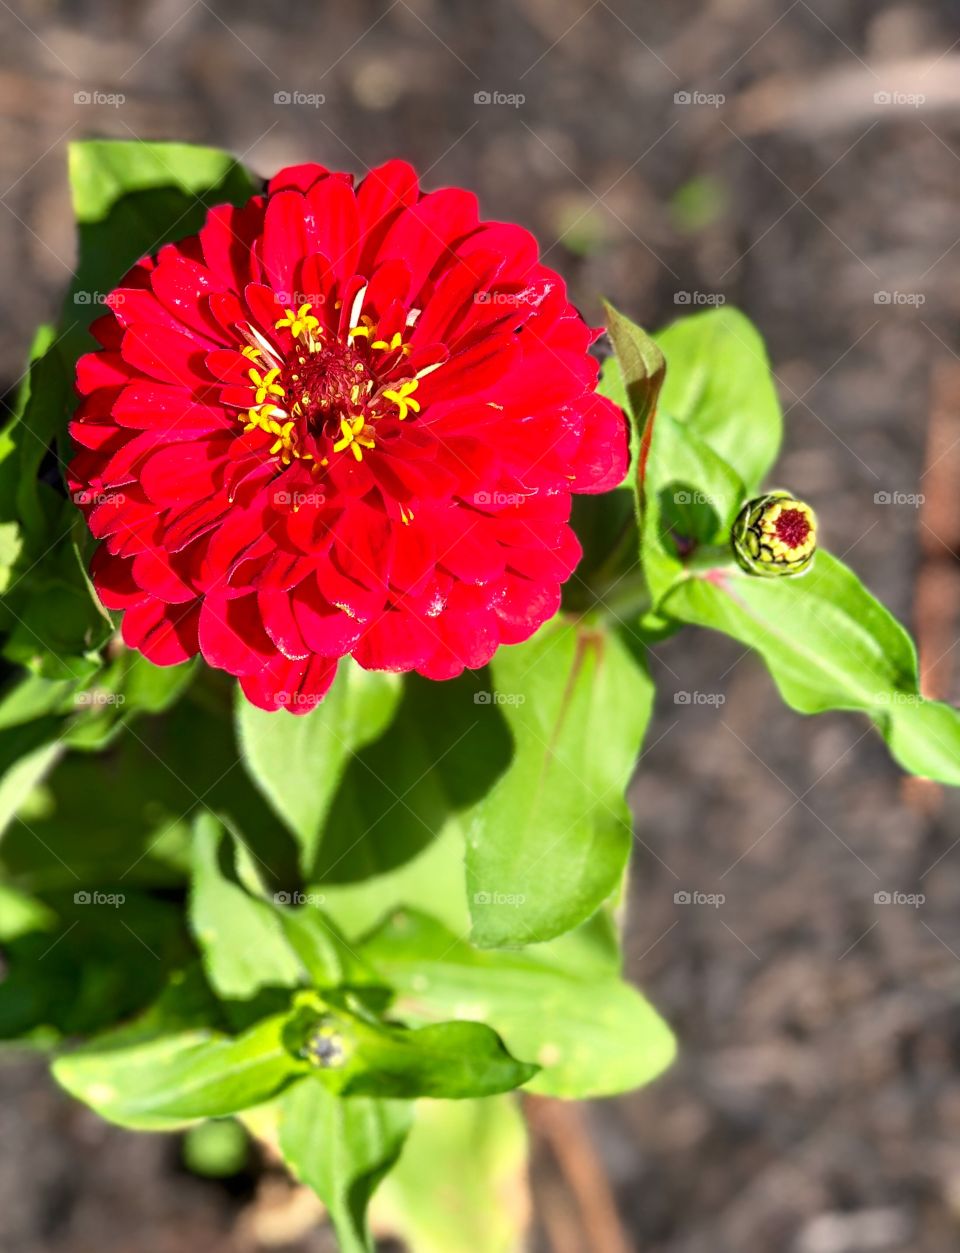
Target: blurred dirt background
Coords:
[(801, 160)]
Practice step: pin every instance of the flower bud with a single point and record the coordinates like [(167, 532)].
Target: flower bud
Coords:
[(325, 1047), (774, 535)]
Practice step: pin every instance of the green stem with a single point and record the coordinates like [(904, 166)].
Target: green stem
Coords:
[(627, 597)]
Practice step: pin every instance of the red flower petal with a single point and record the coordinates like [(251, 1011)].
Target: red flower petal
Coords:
[(297, 177), (385, 473), (165, 634), (297, 686), (333, 218)]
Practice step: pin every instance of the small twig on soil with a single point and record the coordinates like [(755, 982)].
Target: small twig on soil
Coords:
[(937, 594), (560, 1125)]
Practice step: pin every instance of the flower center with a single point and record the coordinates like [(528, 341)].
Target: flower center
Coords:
[(793, 527), (326, 395)]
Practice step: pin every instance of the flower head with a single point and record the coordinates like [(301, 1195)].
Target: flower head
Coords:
[(339, 420), (775, 535)]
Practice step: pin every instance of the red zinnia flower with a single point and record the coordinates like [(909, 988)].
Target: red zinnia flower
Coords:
[(339, 421)]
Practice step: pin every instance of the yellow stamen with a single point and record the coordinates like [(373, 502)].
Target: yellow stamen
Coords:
[(401, 397), (266, 384), (355, 435), (299, 322)]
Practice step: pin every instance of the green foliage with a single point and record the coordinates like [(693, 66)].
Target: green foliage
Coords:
[(408, 895), (828, 643), (129, 198), (49, 621), (482, 1145), (174, 1064), (216, 1149), (719, 385), (342, 1149), (298, 762), (572, 1022), (240, 936), (549, 842), (78, 961)]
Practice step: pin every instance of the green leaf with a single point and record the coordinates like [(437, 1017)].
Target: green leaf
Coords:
[(432, 879), (158, 774), (95, 955), (129, 198), (20, 914), (592, 1034), (691, 497), (298, 762), (151, 689), (19, 778), (241, 939), (58, 629), (28, 697), (610, 383), (128, 686), (358, 1055), (327, 958), (53, 625), (173, 1067), (11, 546), (548, 844), (250, 944), (481, 1206), (830, 645), (216, 1149), (924, 737), (398, 822), (37, 415), (641, 367), (342, 1148), (719, 384), (136, 833)]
